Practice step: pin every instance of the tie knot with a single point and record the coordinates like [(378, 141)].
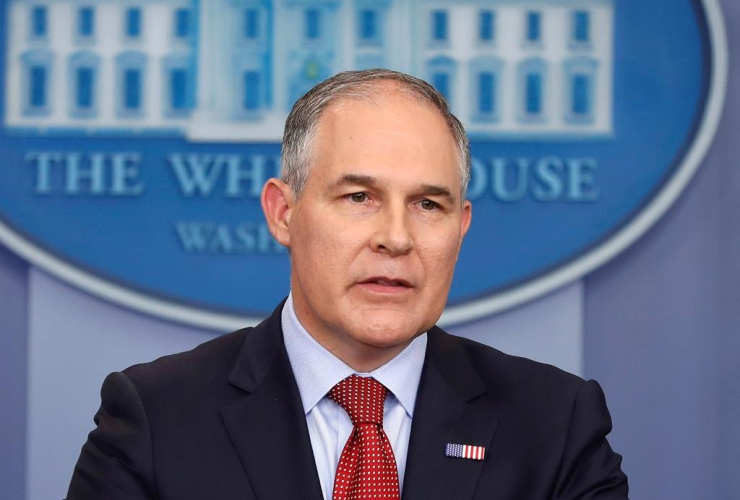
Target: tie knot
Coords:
[(363, 398)]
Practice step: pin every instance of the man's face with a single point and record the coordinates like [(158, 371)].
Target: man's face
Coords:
[(376, 233)]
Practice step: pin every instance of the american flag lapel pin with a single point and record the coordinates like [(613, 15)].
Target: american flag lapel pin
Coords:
[(465, 451)]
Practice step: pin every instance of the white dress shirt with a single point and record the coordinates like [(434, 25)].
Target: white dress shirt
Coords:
[(317, 370)]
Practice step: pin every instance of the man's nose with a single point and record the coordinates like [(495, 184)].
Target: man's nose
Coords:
[(393, 232)]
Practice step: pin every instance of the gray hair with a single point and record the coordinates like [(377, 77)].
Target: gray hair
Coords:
[(302, 123)]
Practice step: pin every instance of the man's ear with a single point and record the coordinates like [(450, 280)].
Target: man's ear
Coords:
[(277, 203), (466, 219)]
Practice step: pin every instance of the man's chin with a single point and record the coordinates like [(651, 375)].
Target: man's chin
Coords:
[(374, 335), (389, 329)]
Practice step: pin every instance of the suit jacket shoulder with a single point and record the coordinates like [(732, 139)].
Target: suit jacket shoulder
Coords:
[(199, 376), (544, 430), (521, 382), (207, 423)]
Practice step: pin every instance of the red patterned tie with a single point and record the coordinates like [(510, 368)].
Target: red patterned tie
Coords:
[(367, 467)]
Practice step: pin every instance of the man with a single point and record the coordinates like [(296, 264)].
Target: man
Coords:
[(372, 207)]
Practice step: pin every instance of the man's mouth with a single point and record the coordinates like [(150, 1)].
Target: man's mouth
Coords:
[(386, 281)]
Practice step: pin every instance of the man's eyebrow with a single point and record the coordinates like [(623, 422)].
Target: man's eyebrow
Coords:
[(434, 190), (369, 180), (354, 179)]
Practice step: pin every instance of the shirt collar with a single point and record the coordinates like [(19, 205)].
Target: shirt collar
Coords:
[(317, 370)]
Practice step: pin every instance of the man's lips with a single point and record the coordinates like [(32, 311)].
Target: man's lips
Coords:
[(386, 281)]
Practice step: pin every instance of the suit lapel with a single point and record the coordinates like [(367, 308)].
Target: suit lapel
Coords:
[(448, 410), (267, 426)]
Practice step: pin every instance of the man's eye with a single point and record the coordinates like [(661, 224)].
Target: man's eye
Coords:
[(358, 197), (429, 205)]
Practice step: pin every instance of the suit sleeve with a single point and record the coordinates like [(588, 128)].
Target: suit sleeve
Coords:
[(116, 462), (590, 469)]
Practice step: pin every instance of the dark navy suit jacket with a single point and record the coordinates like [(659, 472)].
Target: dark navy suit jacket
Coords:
[(225, 421)]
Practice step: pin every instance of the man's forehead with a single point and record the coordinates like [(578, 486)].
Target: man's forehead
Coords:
[(385, 111), (354, 129)]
